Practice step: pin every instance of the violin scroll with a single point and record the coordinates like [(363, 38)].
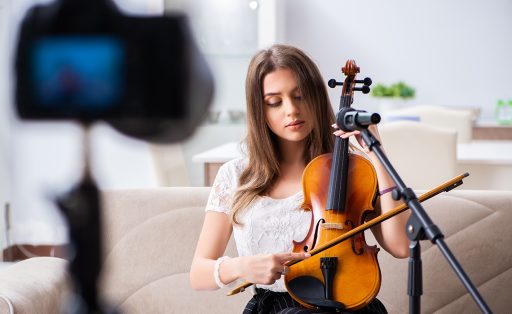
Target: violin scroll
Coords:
[(350, 70)]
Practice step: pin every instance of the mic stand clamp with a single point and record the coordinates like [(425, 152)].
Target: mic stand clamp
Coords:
[(415, 233), (419, 227)]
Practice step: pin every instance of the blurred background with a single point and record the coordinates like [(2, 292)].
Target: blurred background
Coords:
[(454, 54)]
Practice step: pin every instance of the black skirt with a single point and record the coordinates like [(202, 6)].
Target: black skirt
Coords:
[(270, 302)]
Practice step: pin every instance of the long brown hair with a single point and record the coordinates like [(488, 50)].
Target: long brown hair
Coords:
[(263, 166)]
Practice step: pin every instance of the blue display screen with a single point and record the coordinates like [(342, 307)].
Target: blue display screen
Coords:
[(84, 73)]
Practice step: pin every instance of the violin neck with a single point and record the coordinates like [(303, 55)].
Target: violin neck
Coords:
[(337, 193)]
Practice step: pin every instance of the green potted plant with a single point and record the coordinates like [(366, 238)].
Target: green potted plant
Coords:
[(392, 97), (396, 90)]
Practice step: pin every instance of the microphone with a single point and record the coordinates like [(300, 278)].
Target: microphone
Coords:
[(349, 119)]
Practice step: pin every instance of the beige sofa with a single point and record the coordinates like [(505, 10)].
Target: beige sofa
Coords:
[(150, 237)]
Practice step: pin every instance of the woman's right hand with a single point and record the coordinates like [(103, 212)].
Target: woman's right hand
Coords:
[(267, 268)]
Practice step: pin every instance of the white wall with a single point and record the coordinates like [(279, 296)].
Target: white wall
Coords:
[(455, 53)]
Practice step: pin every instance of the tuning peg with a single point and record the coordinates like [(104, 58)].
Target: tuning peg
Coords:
[(332, 83), (365, 89), (366, 81)]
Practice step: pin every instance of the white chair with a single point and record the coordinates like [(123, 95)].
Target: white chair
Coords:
[(458, 119), (170, 165), (423, 155)]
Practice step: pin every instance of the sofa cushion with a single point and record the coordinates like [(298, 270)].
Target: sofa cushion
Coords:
[(173, 294)]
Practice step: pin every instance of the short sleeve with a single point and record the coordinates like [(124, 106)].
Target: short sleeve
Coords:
[(224, 187)]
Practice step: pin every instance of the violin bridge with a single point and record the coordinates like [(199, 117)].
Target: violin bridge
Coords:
[(331, 225)]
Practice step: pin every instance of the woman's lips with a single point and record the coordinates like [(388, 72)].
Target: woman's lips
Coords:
[(295, 124)]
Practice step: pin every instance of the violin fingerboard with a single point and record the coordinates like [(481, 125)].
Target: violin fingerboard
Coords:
[(337, 193)]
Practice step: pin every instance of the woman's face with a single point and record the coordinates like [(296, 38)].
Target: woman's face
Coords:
[(286, 113)]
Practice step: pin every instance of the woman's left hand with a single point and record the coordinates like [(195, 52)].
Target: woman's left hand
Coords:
[(373, 128)]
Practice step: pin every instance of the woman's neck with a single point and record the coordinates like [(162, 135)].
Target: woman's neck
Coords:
[(291, 164), (291, 153)]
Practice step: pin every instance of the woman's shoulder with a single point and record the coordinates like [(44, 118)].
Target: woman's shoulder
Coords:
[(234, 166), (225, 185), (230, 172)]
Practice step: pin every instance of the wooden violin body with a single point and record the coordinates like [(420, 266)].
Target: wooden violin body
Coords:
[(357, 278)]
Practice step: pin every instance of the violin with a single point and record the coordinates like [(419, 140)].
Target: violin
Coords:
[(340, 189)]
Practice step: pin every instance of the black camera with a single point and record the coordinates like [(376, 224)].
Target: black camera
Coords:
[(84, 60)]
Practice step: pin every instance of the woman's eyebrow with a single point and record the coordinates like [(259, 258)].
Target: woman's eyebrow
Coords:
[(296, 89)]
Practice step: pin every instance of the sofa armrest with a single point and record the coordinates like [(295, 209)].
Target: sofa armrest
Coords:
[(6, 305), (35, 285)]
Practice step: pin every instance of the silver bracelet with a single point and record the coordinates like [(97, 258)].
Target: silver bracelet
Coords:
[(216, 271)]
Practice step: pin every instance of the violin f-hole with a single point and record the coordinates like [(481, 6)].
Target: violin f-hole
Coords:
[(320, 221), (353, 240)]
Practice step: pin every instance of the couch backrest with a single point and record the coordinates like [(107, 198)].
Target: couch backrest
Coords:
[(150, 237)]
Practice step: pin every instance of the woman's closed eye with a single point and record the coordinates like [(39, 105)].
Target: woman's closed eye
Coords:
[(274, 102)]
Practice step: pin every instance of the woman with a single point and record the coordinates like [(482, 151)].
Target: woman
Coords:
[(258, 197)]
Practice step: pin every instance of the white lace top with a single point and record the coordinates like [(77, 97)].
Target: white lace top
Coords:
[(269, 225)]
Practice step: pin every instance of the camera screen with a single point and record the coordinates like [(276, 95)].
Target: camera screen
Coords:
[(78, 73)]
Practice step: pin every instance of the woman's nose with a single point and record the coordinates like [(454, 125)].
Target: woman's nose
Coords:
[(291, 107)]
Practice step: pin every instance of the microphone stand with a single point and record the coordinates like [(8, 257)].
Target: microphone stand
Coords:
[(419, 227)]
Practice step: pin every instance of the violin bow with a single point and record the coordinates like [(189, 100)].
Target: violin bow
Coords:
[(445, 187)]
